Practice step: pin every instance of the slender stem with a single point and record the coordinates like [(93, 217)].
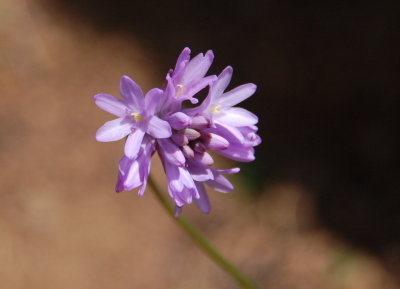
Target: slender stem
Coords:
[(201, 241)]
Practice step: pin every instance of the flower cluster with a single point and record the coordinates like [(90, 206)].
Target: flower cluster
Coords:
[(182, 136)]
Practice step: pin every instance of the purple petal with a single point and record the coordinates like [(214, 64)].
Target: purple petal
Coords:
[(158, 128), (132, 178), (171, 152), (200, 173), (113, 130), (228, 171), (111, 104), (236, 117), (133, 143), (151, 100), (203, 203), (237, 94), (192, 89), (197, 67), (238, 152), (119, 187), (132, 93), (220, 183), (183, 59), (222, 83), (184, 56), (230, 133)]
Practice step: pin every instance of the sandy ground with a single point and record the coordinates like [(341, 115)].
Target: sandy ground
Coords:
[(61, 224)]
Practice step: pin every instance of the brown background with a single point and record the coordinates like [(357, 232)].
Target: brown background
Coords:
[(319, 207)]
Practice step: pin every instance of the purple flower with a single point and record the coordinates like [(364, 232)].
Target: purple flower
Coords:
[(183, 138), (187, 78), (136, 116)]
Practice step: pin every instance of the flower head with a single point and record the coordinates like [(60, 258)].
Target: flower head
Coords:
[(182, 137)]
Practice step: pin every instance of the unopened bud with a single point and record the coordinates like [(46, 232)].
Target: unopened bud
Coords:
[(215, 142), (204, 158), (200, 122), (179, 139), (191, 134), (179, 120), (187, 152)]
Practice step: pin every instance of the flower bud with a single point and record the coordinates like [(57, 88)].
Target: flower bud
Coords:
[(191, 134), (187, 152), (179, 139), (204, 158), (179, 120), (215, 142), (200, 122)]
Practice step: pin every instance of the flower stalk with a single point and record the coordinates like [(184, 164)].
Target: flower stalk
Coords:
[(201, 241)]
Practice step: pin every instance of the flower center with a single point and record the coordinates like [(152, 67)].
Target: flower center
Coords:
[(216, 108), (180, 89), (137, 116)]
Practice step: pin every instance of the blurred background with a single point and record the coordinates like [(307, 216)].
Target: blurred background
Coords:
[(317, 209)]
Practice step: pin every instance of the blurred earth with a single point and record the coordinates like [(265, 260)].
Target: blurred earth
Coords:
[(62, 225)]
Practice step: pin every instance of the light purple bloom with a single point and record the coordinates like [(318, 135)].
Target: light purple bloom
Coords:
[(182, 137), (188, 76), (136, 116)]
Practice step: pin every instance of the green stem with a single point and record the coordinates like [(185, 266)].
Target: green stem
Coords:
[(201, 241)]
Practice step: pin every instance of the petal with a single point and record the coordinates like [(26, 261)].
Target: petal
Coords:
[(132, 178), (133, 143), (113, 130), (230, 133), (197, 67), (191, 89), (184, 56), (183, 59), (124, 165), (238, 152), (200, 173), (220, 183), (237, 95), (171, 152), (111, 104), (151, 100), (229, 171), (158, 128), (203, 203), (222, 83), (236, 117), (132, 93)]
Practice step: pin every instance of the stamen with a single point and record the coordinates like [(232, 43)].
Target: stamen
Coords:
[(180, 89), (137, 116), (216, 109)]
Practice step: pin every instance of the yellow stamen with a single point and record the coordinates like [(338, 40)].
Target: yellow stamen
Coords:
[(180, 89), (216, 109), (137, 116)]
